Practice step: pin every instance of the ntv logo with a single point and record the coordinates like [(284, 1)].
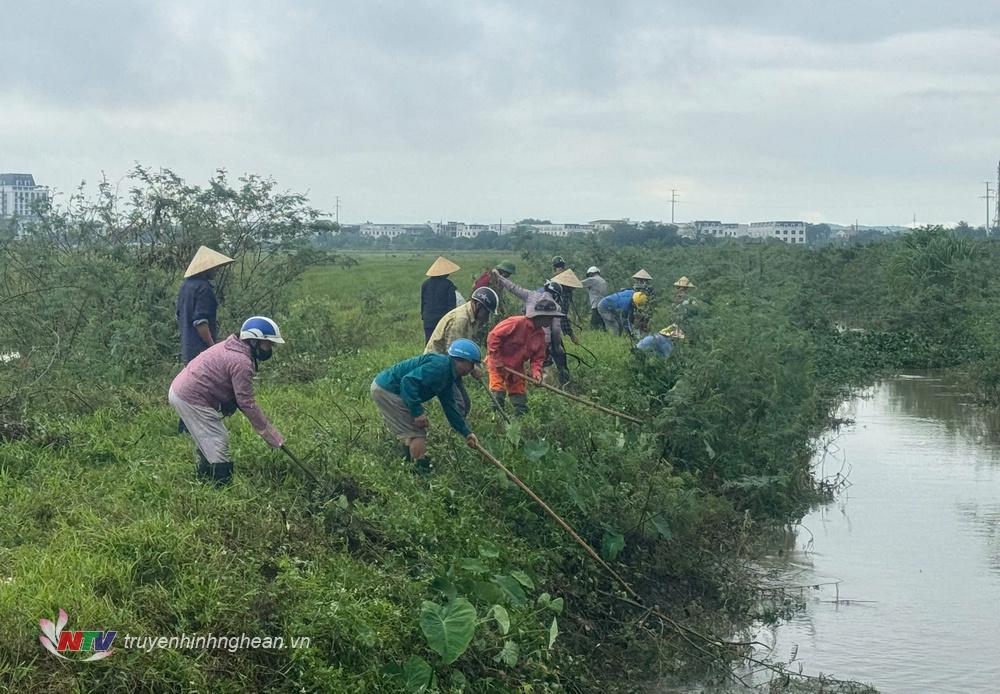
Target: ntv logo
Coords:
[(54, 639)]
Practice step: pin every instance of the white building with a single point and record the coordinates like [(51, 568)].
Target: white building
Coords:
[(18, 194), (391, 231), (610, 224), (562, 229), (789, 232)]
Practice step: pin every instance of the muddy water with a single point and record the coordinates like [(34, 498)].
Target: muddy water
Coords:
[(911, 550)]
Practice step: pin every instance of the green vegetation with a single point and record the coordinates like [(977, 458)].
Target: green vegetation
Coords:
[(453, 581)]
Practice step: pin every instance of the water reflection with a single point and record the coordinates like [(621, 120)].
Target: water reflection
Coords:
[(907, 560)]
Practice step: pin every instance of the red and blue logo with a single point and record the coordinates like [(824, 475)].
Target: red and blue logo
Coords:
[(59, 642)]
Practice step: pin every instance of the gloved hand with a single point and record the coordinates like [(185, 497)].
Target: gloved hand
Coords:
[(472, 441), (228, 409), (421, 421)]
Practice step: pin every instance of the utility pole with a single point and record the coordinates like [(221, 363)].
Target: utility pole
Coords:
[(336, 212), (673, 201), (987, 197), (996, 217)]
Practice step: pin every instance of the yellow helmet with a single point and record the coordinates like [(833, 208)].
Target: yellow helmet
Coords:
[(639, 299)]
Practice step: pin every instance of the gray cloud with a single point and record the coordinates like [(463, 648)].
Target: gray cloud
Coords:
[(416, 110)]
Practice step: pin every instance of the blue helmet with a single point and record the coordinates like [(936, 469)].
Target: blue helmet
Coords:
[(465, 349), (260, 328)]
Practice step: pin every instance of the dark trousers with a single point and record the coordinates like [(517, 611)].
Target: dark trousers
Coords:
[(596, 322), (429, 329)]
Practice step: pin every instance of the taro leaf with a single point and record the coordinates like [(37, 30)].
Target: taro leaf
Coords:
[(509, 655), (458, 680), (444, 586), (514, 433), (448, 629), (523, 578), (488, 592), (663, 526), (416, 675), (511, 588), (472, 565), (489, 550), (612, 544), (503, 619), (556, 605), (553, 632), (535, 450), (544, 599), (575, 497)]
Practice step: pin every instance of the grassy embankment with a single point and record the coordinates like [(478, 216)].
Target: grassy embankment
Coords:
[(104, 519)]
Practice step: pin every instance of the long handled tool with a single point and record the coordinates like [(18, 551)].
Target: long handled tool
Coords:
[(496, 405), (577, 398), (565, 526), (302, 466)]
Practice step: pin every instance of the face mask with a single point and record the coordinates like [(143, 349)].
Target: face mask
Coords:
[(261, 355)]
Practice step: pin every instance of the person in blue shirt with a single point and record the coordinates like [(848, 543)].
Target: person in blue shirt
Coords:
[(401, 391), (196, 304), (661, 344), (618, 309), (197, 307)]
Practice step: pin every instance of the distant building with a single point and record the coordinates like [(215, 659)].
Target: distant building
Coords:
[(610, 224), (18, 195), (562, 229), (391, 231), (789, 232)]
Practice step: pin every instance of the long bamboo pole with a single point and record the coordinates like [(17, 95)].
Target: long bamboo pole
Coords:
[(577, 398), (565, 526)]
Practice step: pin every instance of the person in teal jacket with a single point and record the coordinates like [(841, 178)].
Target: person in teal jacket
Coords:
[(401, 391)]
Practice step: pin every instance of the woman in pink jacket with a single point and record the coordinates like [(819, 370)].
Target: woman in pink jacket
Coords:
[(215, 384)]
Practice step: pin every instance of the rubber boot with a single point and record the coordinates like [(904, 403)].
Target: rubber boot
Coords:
[(520, 403), (204, 469), (498, 400), (424, 466), (405, 450), (222, 474)]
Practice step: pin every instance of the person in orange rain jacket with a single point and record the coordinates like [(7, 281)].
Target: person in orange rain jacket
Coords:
[(513, 342)]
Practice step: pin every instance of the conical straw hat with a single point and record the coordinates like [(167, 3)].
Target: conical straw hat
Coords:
[(206, 259), (567, 278), (684, 283), (642, 275), (442, 266)]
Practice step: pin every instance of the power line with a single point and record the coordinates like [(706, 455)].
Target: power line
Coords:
[(987, 197)]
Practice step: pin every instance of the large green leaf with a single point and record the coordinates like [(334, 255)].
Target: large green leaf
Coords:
[(612, 543), (489, 550), (509, 655), (449, 628), (523, 578), (473, 565), (414, 675), (512, 589), (503, 618), (553, 632), (662, 526), (535, 450)]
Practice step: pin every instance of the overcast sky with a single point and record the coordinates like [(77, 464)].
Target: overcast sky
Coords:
[(570, 110)]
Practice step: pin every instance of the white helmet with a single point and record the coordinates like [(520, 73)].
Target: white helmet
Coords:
[(593, 270), (260, 328)]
